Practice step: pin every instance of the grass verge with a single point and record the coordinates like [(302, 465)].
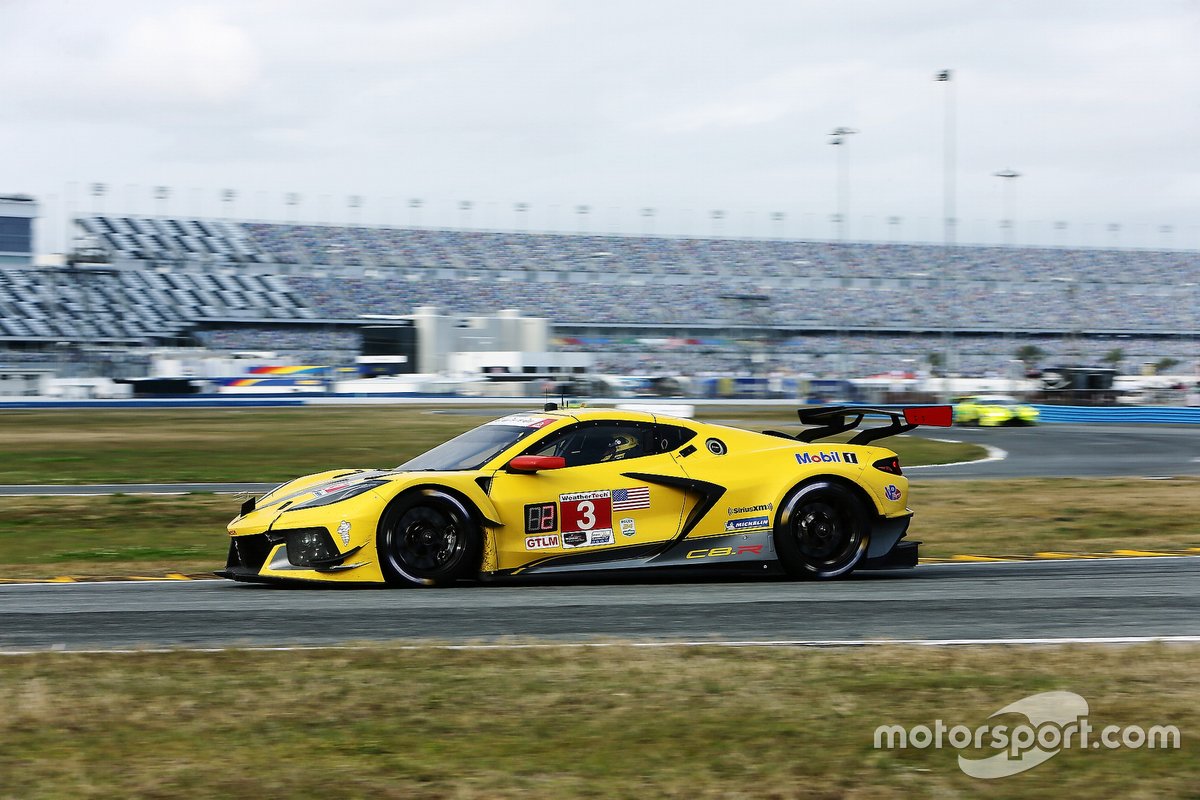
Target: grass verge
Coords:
[(1027, 516), (43, 537), (570, 722), (262, 445)]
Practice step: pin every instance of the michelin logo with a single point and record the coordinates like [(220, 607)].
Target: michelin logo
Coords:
[(748, 524)]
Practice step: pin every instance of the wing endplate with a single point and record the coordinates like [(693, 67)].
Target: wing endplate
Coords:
[(832, 420)]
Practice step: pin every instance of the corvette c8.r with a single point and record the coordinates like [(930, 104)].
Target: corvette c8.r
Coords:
[(580, 490)]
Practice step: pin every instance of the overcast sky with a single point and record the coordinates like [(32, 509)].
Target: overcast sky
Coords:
[(684, 107)]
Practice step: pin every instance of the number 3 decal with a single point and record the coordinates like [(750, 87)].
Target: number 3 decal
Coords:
[(587, 511)]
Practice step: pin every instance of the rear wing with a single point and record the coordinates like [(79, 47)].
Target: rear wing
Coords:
[(832, 420)]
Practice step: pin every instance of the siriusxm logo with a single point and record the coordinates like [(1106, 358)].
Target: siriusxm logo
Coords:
[(750, 509)]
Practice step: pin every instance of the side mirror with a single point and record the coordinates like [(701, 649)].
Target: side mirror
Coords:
[(531, 464)]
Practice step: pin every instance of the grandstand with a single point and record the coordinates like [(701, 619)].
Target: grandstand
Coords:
[(640, 303)]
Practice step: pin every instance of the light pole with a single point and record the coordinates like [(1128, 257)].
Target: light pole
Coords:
[(648, 220), (464, 208), (161, 195), (778, 218), (227, 198), (582, 212), (291, 199), (519, 211), (1166, 231), (1008, 176), (355, 203), (840, 137), (1060, 231), (1008, 223), (948, 217), (717, 215), (98, 192), (414, 211)]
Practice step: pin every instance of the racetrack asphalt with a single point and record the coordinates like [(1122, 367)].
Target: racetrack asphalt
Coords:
[(1041, 451), (1073, 451), (1005, 601)]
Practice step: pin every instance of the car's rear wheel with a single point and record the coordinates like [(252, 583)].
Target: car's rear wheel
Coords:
[(427, 538), (822, 531)]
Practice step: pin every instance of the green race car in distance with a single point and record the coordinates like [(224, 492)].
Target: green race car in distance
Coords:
[(993, 410)]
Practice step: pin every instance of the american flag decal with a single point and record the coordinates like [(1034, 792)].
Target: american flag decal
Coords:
[(629, 499)]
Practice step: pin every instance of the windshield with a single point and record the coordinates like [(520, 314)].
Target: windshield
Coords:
[(471, 450), (996, 401)]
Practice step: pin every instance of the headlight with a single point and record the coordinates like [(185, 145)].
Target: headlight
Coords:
[(310, 547), (338, 494)]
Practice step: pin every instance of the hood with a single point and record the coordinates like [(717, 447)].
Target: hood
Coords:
[(318, 484)]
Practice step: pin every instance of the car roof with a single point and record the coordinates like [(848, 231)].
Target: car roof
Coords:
[(588, 413)]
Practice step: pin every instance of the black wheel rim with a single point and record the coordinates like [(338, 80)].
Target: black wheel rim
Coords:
[(825, 535), (425, 540)]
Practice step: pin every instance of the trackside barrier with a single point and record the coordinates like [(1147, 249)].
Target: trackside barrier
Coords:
[(199, 402), (1169, 415), (1176, 415)]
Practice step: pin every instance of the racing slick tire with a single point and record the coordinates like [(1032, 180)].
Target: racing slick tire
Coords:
[(822, 531), (428, 538)]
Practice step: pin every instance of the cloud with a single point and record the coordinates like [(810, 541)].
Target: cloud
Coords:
[(183, 56), (95, 65)]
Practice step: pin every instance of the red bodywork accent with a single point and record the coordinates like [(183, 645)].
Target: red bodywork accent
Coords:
[(937, 416), (535, 463)]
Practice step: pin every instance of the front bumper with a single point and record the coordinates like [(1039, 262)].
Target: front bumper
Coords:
[(311, 545)]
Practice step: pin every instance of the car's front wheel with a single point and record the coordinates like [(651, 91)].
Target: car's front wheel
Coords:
[(822, 531), (427, 538)]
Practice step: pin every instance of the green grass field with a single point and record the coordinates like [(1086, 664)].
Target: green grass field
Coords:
[(267, 445), (618, 722), (43, 537), (554, 722)]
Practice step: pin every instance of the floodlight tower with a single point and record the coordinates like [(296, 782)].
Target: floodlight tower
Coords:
[(949, 221), (840, 136), (1009, 224)]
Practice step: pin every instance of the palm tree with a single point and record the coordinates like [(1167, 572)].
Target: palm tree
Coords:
[(1028, 354), (1114, 357)]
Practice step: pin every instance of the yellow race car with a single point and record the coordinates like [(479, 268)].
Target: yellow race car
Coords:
[(581, 490), (994, 410)]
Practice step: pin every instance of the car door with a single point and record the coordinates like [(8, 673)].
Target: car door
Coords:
[(602, 506)]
